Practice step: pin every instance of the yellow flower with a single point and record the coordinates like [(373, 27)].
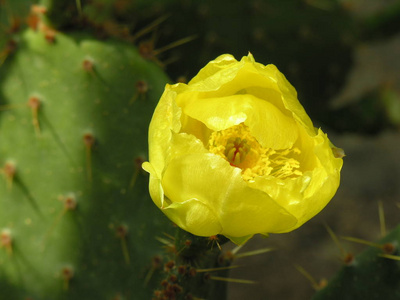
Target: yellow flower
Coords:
[(234, 153)]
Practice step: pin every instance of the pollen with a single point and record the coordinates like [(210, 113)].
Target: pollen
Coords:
[(241, 149)]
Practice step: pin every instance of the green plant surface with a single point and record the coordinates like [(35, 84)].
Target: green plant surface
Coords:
[(73, 124), (368, 276)]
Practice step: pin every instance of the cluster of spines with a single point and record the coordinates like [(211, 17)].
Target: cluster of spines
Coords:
[(380, 257), (388, 250), (180, 270), (195, 267)]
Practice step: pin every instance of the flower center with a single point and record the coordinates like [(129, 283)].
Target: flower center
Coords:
[(236, 150), (241, 149)]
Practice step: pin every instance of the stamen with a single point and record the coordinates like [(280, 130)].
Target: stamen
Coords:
[(241, 149)]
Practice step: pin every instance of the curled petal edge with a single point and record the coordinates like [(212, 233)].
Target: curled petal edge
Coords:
[(192, 211)]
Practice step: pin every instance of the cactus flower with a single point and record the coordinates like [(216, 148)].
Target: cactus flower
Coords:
[(233, 152)]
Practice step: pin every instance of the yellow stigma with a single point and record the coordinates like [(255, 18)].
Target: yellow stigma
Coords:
[(242, 150)]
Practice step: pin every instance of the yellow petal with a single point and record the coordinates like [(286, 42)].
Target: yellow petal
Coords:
[(226, 76), (308, 194), (267, 123), (155, 187), (166, 118), (210, 179), (194, 216), (291, 102), (231, 80), (225, 61), (180, 144)]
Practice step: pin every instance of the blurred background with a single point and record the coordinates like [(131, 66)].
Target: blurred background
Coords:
[(343, 58)]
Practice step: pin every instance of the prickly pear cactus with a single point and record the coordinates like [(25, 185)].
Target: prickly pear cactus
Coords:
[(373, 274), (76, 220)]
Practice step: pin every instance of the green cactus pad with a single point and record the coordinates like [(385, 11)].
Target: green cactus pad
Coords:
[(76, 220), (368, 276)]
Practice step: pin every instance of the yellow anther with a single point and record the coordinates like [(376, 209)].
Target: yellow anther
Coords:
[(241, 149)]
